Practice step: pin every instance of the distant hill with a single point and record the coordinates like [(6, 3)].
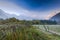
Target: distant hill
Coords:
[(56, 17), (5, 15)]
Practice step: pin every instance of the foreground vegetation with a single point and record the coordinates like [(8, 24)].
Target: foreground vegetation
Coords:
[(14, 29), (24, 32)]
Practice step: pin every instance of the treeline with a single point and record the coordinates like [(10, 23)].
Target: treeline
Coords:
[(26, 22), (44, 22)]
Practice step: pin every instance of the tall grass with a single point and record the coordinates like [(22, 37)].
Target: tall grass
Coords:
[(23, 32)]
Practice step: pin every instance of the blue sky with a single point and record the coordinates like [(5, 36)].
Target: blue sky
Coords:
[(38, 4), (36, 9)]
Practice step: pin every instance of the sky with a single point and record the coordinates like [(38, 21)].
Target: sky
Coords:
[(34, 9)]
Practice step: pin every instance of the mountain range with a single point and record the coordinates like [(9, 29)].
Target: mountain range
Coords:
[(5, 15)]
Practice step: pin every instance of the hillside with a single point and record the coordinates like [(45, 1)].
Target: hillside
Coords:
[(56, 17)]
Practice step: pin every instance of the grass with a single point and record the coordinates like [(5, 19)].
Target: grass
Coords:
[(55, 28), (24, 32)]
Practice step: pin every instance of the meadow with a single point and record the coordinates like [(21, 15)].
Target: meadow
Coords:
[(55, 28), (24, 32)]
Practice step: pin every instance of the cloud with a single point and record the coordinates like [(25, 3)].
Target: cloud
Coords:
[(12, 8), (52, 13)]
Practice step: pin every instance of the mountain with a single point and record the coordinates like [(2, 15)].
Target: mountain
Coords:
[(5, 15), (56, 17)]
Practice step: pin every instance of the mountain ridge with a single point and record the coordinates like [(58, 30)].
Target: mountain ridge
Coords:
[(5, 15), (56, 18)]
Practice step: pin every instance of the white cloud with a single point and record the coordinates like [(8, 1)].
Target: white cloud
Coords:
[(12, 8), (52, 13)]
